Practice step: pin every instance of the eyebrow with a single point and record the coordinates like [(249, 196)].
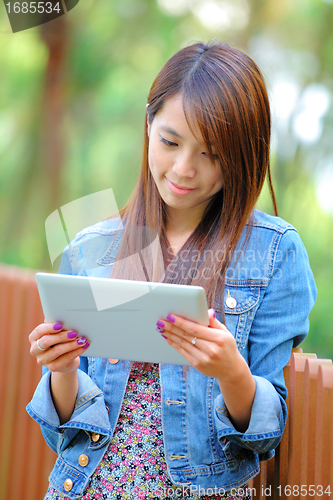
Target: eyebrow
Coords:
[(169, 130)]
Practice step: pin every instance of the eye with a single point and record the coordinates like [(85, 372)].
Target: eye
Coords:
[(214, 157), (166, 142)]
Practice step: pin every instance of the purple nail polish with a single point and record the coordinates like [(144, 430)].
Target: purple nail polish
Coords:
[(57, 326), (71, 335), (214, 313), (170, 318), (163, 336), (81, 341), (86, 345), (160, 330), (160, 323)]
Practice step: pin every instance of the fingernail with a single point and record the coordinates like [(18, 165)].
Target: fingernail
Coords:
[(86, 345), (163, 336), (170, 318), (160, 323), (81, 341), (71, 335), (214, 313), (160, 330), (57, 326)]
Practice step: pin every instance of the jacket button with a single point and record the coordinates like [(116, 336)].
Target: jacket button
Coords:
[(113, 361), (231, 302), (83, 460), (95, 437), (68, 484)]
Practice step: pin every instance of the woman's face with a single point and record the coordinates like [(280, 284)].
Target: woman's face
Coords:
[(185, 176)]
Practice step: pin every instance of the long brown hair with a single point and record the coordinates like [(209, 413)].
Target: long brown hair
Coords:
[(223, 92)]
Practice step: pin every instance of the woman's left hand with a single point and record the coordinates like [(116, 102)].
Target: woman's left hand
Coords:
[(212, 349)]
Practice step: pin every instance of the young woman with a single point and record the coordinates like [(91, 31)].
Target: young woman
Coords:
[(132, 430)]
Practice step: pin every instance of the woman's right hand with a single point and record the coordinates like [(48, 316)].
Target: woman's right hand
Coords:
[(57, 349)]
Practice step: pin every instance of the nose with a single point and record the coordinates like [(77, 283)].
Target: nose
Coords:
[(184, 165)]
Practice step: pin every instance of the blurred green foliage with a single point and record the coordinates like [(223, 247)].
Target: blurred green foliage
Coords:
[(113, 51)]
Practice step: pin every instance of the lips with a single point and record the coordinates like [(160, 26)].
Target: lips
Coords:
[(179, 189)]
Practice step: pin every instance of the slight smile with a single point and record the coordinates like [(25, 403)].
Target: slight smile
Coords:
[(177, 189)]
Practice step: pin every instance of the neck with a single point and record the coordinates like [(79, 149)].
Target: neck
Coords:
[(178, 228), (180, 222)]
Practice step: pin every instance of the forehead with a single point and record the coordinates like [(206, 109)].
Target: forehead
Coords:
[(176, 119)]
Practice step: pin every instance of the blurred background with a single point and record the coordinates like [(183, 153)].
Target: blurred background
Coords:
[(72, 111)]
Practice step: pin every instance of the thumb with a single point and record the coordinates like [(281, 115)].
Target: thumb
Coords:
[(213, 322)]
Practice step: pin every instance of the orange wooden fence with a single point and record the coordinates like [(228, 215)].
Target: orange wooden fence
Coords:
[(25, 460), (304, 457), (303, 465)]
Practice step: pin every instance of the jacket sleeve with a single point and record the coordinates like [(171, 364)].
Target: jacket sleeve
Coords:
[(280, 323), (90, 413)]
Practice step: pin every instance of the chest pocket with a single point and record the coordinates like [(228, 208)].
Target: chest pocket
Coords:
[(240, 306)]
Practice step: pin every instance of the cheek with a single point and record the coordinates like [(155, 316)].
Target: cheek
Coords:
[(217, 182), (151, 159), (156, 160), (153, 164)]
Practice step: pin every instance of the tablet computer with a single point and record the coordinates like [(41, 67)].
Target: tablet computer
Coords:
[(119, 317)]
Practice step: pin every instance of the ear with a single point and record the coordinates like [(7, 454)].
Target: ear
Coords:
[(148, 124)]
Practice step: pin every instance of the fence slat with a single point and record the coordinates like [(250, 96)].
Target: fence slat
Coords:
[(324, 436), (331, 471), (309, 421), (283, 449), (296, 415)]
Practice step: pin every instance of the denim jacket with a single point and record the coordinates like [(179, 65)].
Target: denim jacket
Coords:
[(274, 291)]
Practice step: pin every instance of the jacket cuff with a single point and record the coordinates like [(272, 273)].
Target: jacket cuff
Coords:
[(41, 407), (266, 423), (90, 413)]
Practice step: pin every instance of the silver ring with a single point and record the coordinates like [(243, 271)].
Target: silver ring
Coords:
[(39, 347), (194, 340)]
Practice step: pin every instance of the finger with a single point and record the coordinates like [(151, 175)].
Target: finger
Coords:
[(175, 334), (214, 322), (177, 324), (194, 356), (49, 340), (58, 350), (212, 316), (44, 329), (186, 328), (178, 337), (198, 348), (65, 360), (177, 329), (171, 328)]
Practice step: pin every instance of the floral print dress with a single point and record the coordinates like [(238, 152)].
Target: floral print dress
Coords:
[(134, 467)]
